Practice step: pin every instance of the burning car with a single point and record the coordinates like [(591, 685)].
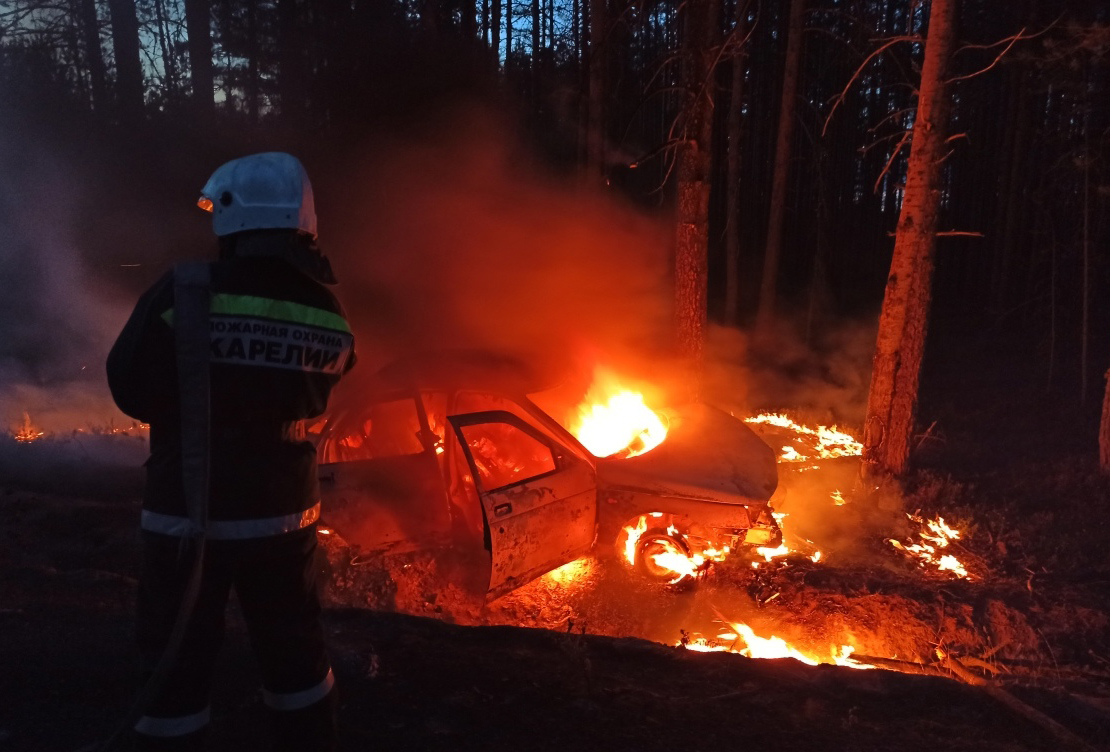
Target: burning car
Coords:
[(451, 451)]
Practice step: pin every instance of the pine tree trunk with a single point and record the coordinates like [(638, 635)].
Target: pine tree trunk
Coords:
[(199, 28), (94, 55), (694, 155), (292, 83), (1104, 432), (735, 114), (508, 31), (537, 29), (783, 152), (253, 80), (595, 131), (495, 29), (129, 68), (904, 319), (469, 21), (169, 66)]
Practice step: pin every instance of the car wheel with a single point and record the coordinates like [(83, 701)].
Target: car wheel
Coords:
[(653, 546)]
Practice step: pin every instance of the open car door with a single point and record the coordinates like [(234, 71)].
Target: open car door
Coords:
[(539, 499), (380, 483)]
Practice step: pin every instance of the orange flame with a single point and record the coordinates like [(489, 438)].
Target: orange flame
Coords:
[(26, 432), (772, 647), (614, 421), (669, 555), (831, 442), (936, 535)]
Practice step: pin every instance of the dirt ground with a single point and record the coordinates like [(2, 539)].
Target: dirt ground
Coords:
[(1034, 638)]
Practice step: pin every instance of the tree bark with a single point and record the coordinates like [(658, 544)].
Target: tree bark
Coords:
[(735, 114), (129, 68), (292, 76), (495, 28), (694, 161), (903, 322), (595, 117), (94, 55), (783, 151), (169, 60), (253, 87), (469, 21), (199, 28), (1104, 432), (537, 43)]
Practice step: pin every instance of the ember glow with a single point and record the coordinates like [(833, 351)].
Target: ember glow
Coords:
[(830, 442), (574, 571), (613, 421), (935, 536), (26, 431)]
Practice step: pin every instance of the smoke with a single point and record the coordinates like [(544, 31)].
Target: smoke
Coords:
[(56, 323), (820, 378), (459, 240), (452, 237)]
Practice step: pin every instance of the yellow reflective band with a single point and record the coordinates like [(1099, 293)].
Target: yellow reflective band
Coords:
[(278, 310)]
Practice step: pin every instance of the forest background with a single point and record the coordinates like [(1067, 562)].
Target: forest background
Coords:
[(113, 113)]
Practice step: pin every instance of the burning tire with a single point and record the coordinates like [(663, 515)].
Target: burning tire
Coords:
[(657, 553)]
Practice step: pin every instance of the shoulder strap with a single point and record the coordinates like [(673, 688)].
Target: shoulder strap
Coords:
[(192, 293)]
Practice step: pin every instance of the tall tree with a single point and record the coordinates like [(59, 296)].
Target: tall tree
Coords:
[(903, 322), (694, 136), (495, 29), (89, 22), (783, 152), (199, 28), (1104, 431), (598, 28), (739, 45), (129, 68)]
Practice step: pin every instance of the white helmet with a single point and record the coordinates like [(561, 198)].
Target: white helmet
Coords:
[(262, 191)]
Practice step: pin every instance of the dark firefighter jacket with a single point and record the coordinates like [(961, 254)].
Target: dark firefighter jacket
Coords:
[(279, 343)]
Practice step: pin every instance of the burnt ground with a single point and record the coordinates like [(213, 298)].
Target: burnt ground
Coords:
[(1031, 633)]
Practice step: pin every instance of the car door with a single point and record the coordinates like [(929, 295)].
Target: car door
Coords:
[(539, 499), (380, 482)]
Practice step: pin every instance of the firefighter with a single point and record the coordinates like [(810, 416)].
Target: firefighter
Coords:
[(279, 342)]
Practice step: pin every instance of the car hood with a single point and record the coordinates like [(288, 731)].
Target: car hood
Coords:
[(708, 454)]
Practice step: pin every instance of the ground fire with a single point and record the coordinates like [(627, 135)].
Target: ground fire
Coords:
[(26, 431)]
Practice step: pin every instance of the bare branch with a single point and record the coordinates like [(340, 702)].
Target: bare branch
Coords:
[(1012, 41), (890, 116), (889, 162), (875, 53), (960, 234)]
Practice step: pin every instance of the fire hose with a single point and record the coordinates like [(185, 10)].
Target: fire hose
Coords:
[(192, 295)]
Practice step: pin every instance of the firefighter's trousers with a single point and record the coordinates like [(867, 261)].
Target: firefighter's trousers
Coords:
[(275, 581)]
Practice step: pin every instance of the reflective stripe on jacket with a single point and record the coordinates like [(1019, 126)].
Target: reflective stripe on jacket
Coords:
[(279, 344)]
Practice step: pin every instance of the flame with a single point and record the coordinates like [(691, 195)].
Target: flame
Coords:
[(26, 432), (831, 442), (614, 421), (670, 557), (936, 535), (771, 647)]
